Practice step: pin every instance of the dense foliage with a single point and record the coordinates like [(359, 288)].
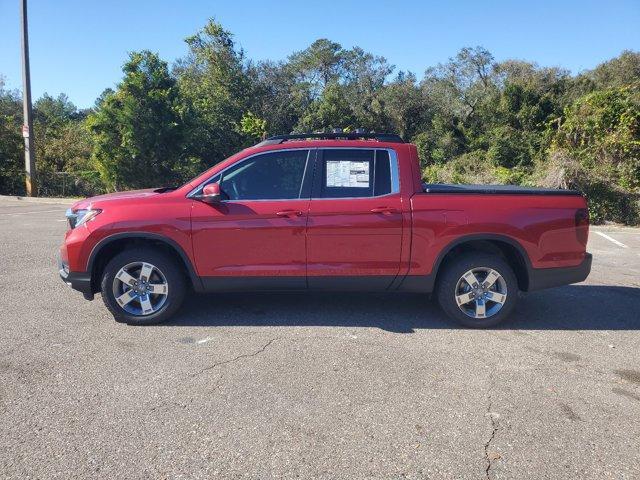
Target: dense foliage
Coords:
[(474, 120)]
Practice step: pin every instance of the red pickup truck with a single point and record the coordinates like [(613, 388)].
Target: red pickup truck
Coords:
[(343, 212)]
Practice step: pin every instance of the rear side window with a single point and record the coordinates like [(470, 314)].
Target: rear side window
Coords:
[(270, 176), (348, 173), (382, 173)]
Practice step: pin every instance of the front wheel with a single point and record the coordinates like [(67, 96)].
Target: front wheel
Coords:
[(478, 290), (142, 286)]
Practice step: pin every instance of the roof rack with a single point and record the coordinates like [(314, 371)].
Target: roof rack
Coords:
[(381, 137)]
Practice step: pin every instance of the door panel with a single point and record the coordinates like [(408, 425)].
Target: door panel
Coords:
[(248, 238), (356, 236), (248, 241), (345, 237)]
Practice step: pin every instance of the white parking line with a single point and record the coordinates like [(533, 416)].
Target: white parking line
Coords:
[(28, 213), (204, 340), (613, 240)]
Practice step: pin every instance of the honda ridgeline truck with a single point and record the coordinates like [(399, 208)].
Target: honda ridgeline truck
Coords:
[(340, 212)]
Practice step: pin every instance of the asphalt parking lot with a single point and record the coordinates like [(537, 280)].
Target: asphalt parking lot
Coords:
[(315, 386)]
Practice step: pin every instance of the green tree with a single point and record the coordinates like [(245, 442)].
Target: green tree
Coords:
[(364, 79), (457, 88), (11, 143), (617, 72), (253, 126), (137, 130), (602, 131), (52, 121), (322, 63), (596, 148), (276, 96), (462, 93), (404, 108), (215, 94), (329, 111)]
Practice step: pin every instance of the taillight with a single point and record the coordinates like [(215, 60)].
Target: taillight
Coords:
[(582, 225)]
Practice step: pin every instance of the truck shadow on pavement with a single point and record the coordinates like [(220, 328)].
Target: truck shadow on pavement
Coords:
[(574, 307)]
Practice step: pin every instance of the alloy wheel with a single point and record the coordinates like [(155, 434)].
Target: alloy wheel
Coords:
[(140, 288), (481, 292)]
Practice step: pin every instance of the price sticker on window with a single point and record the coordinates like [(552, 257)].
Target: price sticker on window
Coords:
[(347, 173)]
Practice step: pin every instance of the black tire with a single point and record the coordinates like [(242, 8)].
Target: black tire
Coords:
[(446, 288), (170, 269)]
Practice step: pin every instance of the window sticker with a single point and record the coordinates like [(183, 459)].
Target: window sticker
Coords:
[(341, 173)]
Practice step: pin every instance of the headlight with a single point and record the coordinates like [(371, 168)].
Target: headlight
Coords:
[(80, 217)]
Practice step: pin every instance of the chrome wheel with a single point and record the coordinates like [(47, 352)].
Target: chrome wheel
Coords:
[(481, 292), (140, 288)]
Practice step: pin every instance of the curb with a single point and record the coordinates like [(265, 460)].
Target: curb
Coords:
[(41, 200)]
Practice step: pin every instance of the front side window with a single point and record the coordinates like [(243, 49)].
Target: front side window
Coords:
[(270, 176), (348, 173)]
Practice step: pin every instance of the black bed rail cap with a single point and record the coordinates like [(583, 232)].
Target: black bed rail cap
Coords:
[(381, 137), (494, 189)]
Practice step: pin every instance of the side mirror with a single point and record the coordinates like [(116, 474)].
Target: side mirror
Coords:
[(211, 193)]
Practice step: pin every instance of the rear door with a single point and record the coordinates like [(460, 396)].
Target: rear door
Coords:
[(255, 237), (354, 229)]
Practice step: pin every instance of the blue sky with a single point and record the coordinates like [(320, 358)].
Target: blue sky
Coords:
[(78, 47)]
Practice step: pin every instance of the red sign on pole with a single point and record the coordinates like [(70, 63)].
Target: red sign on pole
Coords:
[(25, 131)]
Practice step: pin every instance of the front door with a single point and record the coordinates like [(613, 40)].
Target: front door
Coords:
[(255, 237), (354, 232)]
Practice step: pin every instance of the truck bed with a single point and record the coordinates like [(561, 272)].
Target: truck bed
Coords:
[(494, 189)]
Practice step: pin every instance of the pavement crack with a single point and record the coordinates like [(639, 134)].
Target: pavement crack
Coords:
[(488, 454), (239, 357)]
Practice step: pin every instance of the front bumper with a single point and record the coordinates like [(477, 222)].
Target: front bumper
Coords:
[(80, 281), (540, 278)]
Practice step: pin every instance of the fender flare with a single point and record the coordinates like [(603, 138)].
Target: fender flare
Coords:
[(484, 237), (426, 283), (95, 252)]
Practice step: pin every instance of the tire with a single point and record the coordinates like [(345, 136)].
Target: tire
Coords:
[(452, 285), (165, 276)]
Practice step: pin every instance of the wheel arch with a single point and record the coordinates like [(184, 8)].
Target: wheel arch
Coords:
[(507, 247), (114, 244)]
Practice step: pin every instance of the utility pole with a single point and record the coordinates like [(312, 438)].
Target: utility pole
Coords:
[(27, 128)]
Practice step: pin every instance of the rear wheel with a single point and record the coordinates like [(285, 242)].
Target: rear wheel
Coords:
[(478, 290), (142, 286)]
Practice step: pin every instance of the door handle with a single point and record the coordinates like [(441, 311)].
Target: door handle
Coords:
[(289, 213), (384, 210)]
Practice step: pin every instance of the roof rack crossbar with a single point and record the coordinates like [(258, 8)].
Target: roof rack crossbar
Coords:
[(381, 137)]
